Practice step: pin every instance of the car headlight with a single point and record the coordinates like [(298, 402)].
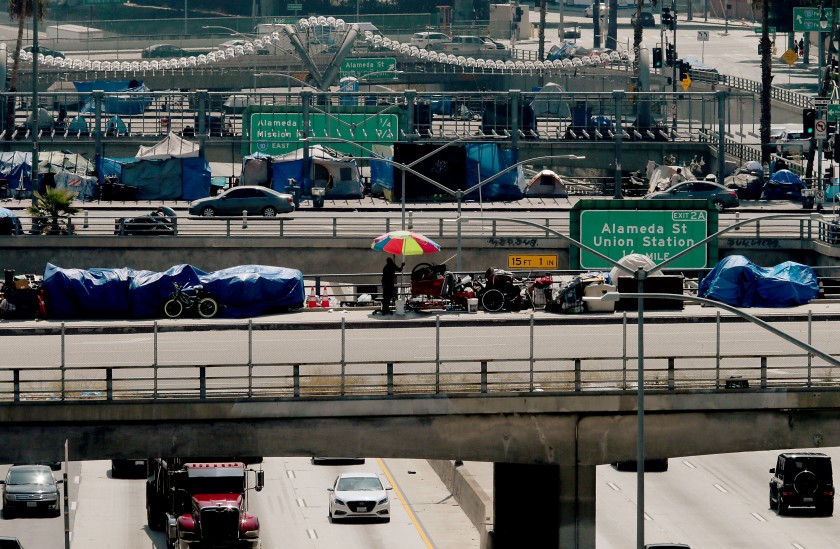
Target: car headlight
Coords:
[(339, 502), (383, 501), (10, 497)]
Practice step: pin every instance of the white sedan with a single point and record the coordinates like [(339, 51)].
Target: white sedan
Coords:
[(359, 495)]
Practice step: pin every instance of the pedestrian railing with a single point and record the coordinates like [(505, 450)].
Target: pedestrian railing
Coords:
[(164, 361)]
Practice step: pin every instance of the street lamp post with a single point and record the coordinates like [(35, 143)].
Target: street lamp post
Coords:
[(641, 274)]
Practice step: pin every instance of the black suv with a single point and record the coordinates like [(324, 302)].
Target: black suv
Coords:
[(802, 479)]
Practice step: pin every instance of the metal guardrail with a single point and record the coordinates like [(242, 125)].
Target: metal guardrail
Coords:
[(781, 95), (169, 373)]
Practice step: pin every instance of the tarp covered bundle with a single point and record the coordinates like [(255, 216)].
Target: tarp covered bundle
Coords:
[(242, 292), (737, 281), (132, 102), (337, 174)]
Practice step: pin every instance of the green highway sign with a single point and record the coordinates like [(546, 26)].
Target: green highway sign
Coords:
[(833, 110), (294, 7), (808, 19), (277, 133), (771, 30), (658, 234), (362, 66)]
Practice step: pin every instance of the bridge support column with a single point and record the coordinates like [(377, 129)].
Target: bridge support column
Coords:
[(547, 505)]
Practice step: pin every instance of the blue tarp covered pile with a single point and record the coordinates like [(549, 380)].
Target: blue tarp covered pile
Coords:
[(242, 292), (116, 104), (737, 281)]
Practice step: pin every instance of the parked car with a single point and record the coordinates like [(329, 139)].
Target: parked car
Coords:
[(647, 19), (10, 543), (572, 31), (240, 42), (166, 51), (590, 9), (802, 479), (427, 40), (30, 488), (492, 44), (359, 495), (254, 200), (720, 197), (44, 51), (161, 221)]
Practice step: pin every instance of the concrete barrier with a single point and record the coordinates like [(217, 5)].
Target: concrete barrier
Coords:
[(473, 500)]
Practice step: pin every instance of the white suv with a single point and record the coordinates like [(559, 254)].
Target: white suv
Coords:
[(427, 40)]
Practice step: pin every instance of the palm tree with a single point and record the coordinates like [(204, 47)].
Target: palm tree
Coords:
[(56, 206), (766, 80), (19, 10), (637, 34)]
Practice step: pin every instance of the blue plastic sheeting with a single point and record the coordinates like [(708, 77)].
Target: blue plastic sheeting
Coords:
[(739, 282), (281, 172), (785, 176), (492, 159), (118, 104), (195, 178), (104, 85), (242, 292), (154, 179), (16, 167), (381, 176), (111, 167), (783, 185)]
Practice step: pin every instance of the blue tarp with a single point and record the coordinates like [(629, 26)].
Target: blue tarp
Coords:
[(155, 179), (195, 174), (16, 167), (242, 292), (381, 176), (127, 103), (281, 172), (492, 159), (783, 185), (737, 281)]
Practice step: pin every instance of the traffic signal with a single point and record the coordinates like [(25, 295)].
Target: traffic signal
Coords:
[(667, 18), (657, 58), (670, 55), (517, 15), (809, 119), (684, 69)]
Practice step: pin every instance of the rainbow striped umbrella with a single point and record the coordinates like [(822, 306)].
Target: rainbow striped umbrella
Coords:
[(404, 243)]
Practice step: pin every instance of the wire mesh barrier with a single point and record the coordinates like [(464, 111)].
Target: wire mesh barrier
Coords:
[(253, 361)]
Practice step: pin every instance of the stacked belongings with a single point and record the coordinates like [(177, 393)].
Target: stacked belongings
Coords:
[(433, 287), (501, 291), (569, 298), (21, 297)]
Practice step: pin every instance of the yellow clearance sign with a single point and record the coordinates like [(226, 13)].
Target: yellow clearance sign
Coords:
[(529, 261)]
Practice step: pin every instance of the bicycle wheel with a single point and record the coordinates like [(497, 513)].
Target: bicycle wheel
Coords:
[(173, 308), (207, 307)]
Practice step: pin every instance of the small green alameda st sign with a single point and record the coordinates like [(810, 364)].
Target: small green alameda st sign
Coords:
[(658, 234)]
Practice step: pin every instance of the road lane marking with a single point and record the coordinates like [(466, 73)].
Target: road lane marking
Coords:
[(759, 517), (721, 488), (797, 546), (689, 464), (72, 505), (648, 517), (614, 486), (76, 480), (300, 502), (311, 533), (290, 474), (405, 505)]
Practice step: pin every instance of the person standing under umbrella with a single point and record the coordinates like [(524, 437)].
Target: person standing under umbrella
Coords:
[(389, 278)]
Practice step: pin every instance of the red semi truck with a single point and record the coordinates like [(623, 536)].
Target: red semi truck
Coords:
[(202, 504)]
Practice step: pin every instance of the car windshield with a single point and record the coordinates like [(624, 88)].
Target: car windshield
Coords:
[(29, 477), (355, 484)]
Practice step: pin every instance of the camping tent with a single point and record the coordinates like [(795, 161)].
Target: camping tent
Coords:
[(738, 281), (331, 170), (548, 103), (546, 184), (172, 146)]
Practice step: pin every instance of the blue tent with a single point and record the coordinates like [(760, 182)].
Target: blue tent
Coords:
[(783, 185), (738, 281), (243, 291), (486, 160)]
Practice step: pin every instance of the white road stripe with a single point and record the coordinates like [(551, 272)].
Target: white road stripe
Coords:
[(721, 488), (290, 474), (300, 502), (613, 486), (648, 517), (311, 533), (72, 505), (758, 517), (76, 480), (797, 546), (689, 464)]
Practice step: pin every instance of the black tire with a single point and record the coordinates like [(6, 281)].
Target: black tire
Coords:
[(493, 300), (718, 205), (773, 503), (826, 509), (269, 211), (173, 308), (207, 307), (208, 211), (155, 517), (782, 506), (421, 271), (8, 514)]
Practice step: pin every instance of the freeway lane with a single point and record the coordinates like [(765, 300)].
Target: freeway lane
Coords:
[(708, 502), (292, 510)]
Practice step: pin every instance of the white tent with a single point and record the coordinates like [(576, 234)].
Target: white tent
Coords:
[(336, 173), (548, 103), (171, 146)]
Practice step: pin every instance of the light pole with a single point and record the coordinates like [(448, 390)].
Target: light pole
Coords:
[(641, 274), (245, 36)]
